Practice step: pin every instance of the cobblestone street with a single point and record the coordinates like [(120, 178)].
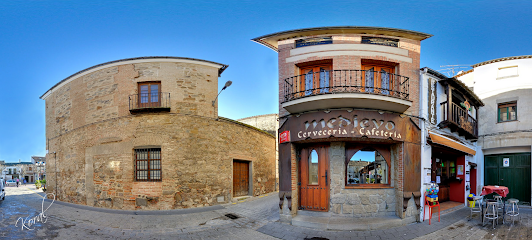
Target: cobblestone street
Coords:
[(257, 218)]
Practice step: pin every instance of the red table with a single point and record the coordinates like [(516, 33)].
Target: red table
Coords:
[(501, 190)]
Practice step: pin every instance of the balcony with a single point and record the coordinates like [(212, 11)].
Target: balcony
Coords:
[(149, 102), (458, 119), (346, 89)]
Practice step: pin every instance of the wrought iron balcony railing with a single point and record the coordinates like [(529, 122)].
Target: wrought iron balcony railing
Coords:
[(141, 102), (460, 118), (345, 81)]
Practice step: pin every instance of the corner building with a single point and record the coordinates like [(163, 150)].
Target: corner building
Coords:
[(349, 125), (144, 133)]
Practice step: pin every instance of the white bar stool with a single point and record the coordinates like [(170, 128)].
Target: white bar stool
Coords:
[(513, 209), (492, 211), (477, 207)]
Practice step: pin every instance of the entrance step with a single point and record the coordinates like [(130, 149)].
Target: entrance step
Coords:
[(327, 221)]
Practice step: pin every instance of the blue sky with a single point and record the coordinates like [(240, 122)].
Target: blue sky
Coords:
[(43, 42)]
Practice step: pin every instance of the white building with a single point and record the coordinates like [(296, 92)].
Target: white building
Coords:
[(448, 137), (505, 129)]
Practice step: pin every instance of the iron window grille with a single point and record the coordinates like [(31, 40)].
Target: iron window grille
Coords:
[(148, 165)]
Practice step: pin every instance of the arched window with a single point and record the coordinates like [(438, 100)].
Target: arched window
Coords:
[(367, 166)]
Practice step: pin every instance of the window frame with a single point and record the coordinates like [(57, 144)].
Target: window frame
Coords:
[(384, 151), (507, 106), (377, 68), (150, 151), (149, 102)]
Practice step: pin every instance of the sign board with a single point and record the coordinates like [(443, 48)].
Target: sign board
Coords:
[(341, 123), (284, 137), (460, 170), (381, 41), (313, 41), (432, 100), (506, 162)]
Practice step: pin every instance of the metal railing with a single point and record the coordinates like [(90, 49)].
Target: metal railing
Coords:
[(460, 117), (149, 101), (345, 81)]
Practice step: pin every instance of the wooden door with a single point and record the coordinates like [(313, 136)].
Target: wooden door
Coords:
[(314, 179), (516, 176), (240, 178), (149, 94), (315, 79)]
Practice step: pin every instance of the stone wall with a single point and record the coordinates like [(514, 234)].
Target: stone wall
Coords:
[(95, 162), (371, 202), (93, 133), (103, 93)]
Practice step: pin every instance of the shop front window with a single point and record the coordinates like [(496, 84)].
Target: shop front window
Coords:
[(367, 166)]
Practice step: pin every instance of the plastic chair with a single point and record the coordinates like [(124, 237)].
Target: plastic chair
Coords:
[(430, 205), (513, 210)]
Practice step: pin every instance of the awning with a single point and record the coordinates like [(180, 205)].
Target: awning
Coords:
[(445, 141)]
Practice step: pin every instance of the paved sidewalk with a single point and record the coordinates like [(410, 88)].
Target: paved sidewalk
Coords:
[(257, 218)]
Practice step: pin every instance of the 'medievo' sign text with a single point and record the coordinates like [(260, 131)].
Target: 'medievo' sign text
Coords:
[(370, 125)]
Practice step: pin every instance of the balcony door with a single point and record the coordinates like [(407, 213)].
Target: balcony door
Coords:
[(149, 94), (315, 79), (378, 79)]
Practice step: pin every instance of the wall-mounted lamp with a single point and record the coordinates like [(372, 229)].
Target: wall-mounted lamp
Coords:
[(227, 84)]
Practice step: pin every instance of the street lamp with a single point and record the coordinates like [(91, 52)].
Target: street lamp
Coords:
[(227, 84)]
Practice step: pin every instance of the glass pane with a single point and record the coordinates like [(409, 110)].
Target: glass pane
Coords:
[(367, 167), (385, 82), (143, 95), (369, 79), (154, 93), (513, 113), (313, 168), (155, 174), (142, 175), (324, 81), (142, 165), (308, 82), (504, 114)]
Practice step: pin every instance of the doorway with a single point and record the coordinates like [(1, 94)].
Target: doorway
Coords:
[(515, 175), (240, 178), (314, 179)]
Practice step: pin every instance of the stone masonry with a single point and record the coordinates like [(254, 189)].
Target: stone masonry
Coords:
[(93, 135)]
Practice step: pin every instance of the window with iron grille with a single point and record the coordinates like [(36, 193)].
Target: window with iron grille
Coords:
[(148, 164)]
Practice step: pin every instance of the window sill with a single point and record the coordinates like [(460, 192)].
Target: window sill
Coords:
[(508, 121), (368, 186)]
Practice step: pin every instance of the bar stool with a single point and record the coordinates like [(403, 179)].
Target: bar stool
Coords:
[(500, 205), (492, 211), (513, 209), (477, 207)]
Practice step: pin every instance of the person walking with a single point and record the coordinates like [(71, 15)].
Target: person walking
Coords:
[(17, 182)]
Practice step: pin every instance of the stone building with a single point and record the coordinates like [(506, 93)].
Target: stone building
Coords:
[(270, 124), (349, 94), (449, 136), (505, 129), (144, 133)]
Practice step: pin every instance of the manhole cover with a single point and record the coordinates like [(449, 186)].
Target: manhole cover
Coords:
[(232, 216), (316, 238)]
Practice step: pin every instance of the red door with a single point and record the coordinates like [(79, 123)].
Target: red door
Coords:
[(314, 179), (240, 178)]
